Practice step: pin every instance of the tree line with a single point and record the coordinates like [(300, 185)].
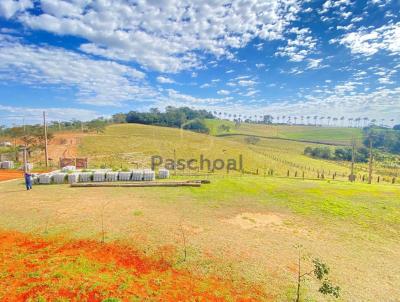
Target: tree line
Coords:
[(182, 117)]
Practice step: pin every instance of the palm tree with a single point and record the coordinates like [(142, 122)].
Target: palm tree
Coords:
[(321, 119), (308, 119), (295, 120), (315, 120), (342, 120), (329, 120), (335, 119), (350, 122), (366, 119)]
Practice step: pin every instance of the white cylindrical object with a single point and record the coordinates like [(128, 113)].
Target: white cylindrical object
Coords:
[(124, 176), (85, 177), (73, 178), (59, 178), (7, 165), (35, 179), (99, 176), (112, 176), (45, 179), (137, 175), (149, 175), (163, 173)]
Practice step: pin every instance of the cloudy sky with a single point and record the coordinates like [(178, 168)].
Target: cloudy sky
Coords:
[(85, 58)]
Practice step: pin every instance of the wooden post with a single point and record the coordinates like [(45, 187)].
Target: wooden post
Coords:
[(25, 161), (371, 159), (353, 155), (45, 140)]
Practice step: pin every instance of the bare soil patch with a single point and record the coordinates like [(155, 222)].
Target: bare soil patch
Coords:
[(10, 174), (256, 220)]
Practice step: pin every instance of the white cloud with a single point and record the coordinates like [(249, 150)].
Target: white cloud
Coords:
[(368, 42), (165, 80), (163, 35), (246, 83), (34, 115), (9, 8), (260, 65), (223, 92), (300, 47), (314, 64), (96, 82)]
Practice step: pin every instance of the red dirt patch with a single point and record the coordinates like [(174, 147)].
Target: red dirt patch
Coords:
[(83, 270), (10, 174)]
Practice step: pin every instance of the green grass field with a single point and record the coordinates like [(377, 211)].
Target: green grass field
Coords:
[(244, 227)]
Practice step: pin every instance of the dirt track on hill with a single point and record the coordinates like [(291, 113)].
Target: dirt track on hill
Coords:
[(65, 145)]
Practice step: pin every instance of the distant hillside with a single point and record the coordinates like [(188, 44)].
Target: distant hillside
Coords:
[(131, 145), (323, 135)]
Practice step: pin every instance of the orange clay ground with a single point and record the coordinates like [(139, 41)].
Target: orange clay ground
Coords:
[(10, 174), (38, 269)]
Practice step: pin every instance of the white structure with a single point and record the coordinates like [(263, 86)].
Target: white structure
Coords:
[(73, 178), (7, 165), (5, 144), (124, 176), (163, 173), (137, 175), (85, 176), (68, 168), (111, 176), (99, 176), (149, 175), (45, 179), (59, 178)]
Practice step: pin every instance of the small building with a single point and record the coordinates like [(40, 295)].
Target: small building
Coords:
[(5, 144)]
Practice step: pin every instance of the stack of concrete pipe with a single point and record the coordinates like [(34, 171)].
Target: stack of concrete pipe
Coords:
[(59, 178), (85, 177), (163, 173), (7, 164), (124, 176), (45, 179), (73, 178), (99, 176), (137, 175), (112, 176), (149, 175)]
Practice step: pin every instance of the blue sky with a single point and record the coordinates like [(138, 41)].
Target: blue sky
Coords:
[(85, 58)]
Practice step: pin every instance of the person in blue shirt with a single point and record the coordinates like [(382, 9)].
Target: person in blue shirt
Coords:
[(28, 180)]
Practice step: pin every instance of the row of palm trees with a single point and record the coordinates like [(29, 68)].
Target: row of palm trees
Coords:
[(315, 120)]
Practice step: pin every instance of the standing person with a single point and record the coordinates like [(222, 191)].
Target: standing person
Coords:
[(28, 180)]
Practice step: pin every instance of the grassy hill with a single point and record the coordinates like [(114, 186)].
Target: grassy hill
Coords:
[(132, 145), (324, 135)]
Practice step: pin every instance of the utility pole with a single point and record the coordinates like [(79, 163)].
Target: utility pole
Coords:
[(174, 162), (371, 159), (353, 155), (45, 140), (25, 160)]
